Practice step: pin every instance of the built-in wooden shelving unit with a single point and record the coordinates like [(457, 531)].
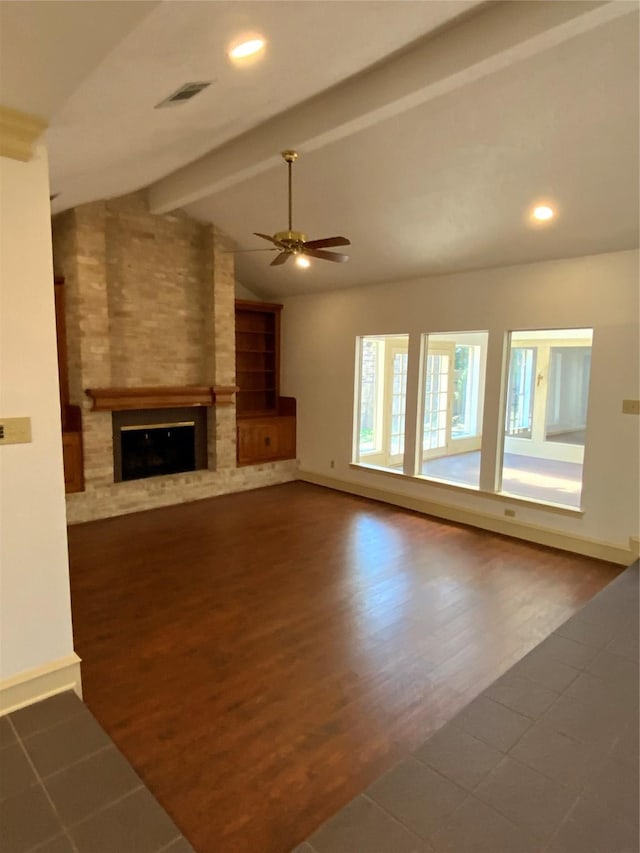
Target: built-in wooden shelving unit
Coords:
[(266, 421)]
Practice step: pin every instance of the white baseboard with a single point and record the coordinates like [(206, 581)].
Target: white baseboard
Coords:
[(40, 683), (599, 549)]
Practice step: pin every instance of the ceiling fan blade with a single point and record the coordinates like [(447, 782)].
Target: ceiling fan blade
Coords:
[(325, 256), (326, 242), (279, 259), (244, 251), (266, 237)]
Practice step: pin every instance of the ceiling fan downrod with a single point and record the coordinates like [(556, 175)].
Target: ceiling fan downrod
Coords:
[(290, 157)]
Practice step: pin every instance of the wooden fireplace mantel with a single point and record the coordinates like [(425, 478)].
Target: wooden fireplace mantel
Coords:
[(160, 397)]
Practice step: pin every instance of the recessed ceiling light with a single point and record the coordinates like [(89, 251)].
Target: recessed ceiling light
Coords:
[(542, 213), (246, 47), (303, 262)]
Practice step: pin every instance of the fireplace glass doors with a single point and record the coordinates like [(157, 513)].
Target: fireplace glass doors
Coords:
[(151, 450), (152, 443)]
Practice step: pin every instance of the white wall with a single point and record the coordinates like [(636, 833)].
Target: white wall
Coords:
[(243, 292), (599, 291), (35, 611)]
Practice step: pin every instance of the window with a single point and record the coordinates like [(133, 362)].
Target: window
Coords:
[(545, 395), (370, 385), (520, 391), (566, 416), (398, 401), (436, 401), (466, 390), (452, 398), (382, 398), (546, 414)]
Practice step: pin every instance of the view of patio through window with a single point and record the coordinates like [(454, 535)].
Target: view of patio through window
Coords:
[(545, 394), (382, 400), (546, 414), (453, 369)]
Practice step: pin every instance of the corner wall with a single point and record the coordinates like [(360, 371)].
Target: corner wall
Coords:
[(35, 625), (599, 291)]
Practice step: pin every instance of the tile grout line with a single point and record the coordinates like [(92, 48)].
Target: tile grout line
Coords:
[(561, 822), (75, 763), (46, 793), (48, 728), (173, 841), (391, 816), (64, 827), (105, 806), (579, 790), (533, 721)]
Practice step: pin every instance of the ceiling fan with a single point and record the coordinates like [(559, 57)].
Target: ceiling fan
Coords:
[(294, 243)]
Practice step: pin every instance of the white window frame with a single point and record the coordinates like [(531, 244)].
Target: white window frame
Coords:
[(380, 455)]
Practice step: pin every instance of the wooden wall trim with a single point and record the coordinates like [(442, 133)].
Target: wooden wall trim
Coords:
[(224, 395), (18, 133), (159, 397)]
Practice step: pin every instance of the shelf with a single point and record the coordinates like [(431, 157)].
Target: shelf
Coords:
[(257, 348), (159, 397), (257, 413)]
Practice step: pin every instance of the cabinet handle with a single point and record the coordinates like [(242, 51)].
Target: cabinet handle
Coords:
[(267, 441)]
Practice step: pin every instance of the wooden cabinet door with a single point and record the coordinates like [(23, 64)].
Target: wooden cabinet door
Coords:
[(257, 441), (72, 462), (287, 438), (266, 439)]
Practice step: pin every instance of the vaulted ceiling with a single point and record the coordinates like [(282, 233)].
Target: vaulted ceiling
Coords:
[(426, 130)]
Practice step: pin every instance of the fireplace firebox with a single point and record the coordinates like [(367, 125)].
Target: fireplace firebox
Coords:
[(156, 442)]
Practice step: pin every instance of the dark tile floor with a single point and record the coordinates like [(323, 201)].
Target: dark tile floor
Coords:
[(65, 788), (544, 761)]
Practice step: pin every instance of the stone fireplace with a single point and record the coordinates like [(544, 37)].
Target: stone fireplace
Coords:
[(150, 308)]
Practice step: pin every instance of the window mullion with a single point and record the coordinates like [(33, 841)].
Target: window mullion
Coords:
[(413, 396), (494, 413)]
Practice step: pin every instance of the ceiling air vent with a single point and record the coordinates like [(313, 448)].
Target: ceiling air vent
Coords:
[(184, 93)]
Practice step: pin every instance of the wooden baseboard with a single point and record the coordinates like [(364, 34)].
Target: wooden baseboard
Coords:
[(40, 683), (599, 549)]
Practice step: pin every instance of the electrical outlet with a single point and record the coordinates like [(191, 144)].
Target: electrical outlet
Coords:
[(15, 430), (510, 513), (332, 464), (631, 407)]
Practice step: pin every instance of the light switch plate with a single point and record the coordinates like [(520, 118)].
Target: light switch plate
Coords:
[(631, 407), (15, 430)]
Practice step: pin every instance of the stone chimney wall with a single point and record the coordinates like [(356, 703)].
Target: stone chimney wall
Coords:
[(149, 302)]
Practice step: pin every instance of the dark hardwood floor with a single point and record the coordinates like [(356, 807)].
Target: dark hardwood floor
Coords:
[(262, 657)]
